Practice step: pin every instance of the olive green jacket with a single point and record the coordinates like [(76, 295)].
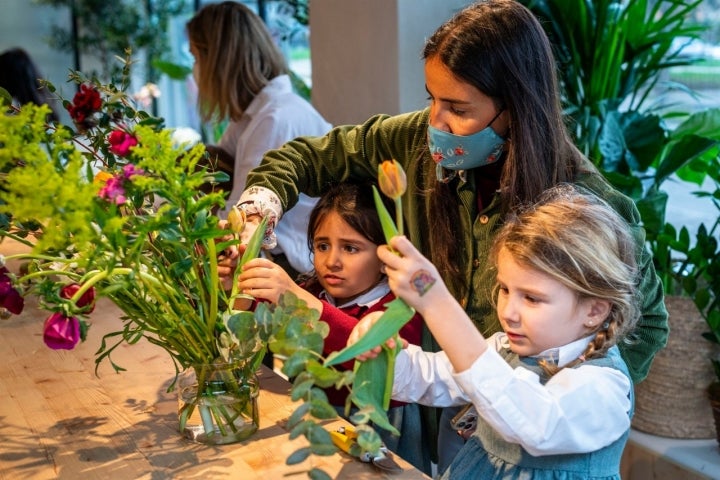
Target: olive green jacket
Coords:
[(310, 164)]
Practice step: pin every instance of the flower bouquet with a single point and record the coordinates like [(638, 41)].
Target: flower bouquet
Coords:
[(119, 215)]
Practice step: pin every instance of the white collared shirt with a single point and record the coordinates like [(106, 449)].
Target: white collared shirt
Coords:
[(276, 115), (578, 410), (367, 299)]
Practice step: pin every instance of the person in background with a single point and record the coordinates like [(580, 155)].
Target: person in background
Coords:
[(553, 396), (492, 138), (242, 77), (347, 283), (21, 78)]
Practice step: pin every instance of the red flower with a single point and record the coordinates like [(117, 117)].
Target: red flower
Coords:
[(61, 332), (121, 142), (10, 299), (87, 299), (85, 103)]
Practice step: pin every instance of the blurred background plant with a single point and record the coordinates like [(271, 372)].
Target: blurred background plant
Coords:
[(102, 30), (614, 58)]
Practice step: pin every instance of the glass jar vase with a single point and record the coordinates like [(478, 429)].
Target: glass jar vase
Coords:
[(218, 403)]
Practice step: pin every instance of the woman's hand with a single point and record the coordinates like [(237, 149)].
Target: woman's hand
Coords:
[(411, 276), (361, 329)]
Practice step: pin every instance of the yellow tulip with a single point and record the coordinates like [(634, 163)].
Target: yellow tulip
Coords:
[(392, 179), (102, 177), (236, 218)]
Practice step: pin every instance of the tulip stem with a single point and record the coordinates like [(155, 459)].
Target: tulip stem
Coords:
[(399, 215)]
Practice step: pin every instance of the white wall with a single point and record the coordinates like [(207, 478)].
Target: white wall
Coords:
[(366, 55)]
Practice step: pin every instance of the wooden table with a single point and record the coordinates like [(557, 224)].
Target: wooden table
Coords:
[(59, 420)]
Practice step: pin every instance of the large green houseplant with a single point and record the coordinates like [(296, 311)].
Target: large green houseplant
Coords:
[(613, 59), (690, 266)]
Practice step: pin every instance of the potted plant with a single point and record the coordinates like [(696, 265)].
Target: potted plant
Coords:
[(611, 59), (690, 269)]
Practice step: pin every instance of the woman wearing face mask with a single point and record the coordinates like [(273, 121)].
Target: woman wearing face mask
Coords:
[(491, 139)]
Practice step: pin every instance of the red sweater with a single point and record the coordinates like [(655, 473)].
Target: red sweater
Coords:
[(343, 320)]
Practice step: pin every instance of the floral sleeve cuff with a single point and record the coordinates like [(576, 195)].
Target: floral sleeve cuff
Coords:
[(264, 202)]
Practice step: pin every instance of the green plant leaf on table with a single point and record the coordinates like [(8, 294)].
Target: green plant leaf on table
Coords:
[(252, 250), (397, 314)]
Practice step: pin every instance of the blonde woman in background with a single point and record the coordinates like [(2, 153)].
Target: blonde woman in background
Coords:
[(243, 77)]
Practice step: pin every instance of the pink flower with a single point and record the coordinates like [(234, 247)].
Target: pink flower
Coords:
[(121, 142), (61, 332), (87, 299), (10, 298), (131, 170), (113, 190)]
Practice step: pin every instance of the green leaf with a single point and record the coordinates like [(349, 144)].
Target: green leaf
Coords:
[(317, 474), (297, 416), (298, 456), (398, 313), (301, 428), (370, 383), (322, 410), (254, 244), (301, 386), (681, 153), (386, 221), (172, 70), (294, 365), (5, 97), (324, 377)]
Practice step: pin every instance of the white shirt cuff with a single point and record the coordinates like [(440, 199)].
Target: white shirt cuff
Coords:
[(264, 202)]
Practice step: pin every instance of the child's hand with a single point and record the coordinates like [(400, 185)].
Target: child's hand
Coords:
[(262, 278), (411, 276), (361, 329)]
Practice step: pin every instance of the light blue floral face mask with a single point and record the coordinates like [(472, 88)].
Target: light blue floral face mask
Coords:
[(463, 152)]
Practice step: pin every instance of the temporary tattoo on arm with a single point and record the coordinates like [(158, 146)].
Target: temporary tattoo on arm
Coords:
[(422, 281)]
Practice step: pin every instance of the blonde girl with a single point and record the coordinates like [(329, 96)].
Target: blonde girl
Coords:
[(554, 396)]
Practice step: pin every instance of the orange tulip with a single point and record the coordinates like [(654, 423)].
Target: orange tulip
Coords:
[(392, 179)]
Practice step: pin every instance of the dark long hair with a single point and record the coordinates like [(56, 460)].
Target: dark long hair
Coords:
[(354, 203), (21, 78), (500, 48)]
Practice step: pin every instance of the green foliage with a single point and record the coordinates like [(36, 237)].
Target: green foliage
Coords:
[(298, 334), (690, 265), (611, 56), (153, 251), (105, 29)]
